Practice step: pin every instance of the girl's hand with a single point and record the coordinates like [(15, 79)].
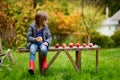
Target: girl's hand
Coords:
[(45, 43), (39, 39)]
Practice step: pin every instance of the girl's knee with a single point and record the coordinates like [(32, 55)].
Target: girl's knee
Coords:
[(44, 50)]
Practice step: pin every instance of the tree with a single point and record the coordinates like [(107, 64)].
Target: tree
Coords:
[(5, 24), (15, 19), (114, 5), (91, 11), (63, 25)]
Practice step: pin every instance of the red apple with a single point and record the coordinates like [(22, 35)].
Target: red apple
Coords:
[(90, 44), (56, 45), (63, 45), (84, 44), (77, 45), (71, 45)]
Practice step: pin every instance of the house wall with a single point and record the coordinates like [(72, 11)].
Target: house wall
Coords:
[(107, 30)]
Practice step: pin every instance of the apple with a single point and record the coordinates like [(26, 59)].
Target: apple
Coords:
[(63, 45), (84, 44), (71, 45), (90, 44), (77, 45), (39, 38), (56, 45)]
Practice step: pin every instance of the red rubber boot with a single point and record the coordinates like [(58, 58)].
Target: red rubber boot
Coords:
[(31, 69), (44, 62)]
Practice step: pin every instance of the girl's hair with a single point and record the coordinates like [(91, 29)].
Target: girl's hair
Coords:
[(40, 17)]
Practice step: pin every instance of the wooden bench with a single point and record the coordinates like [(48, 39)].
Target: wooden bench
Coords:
[(76, 63), (3, 55)]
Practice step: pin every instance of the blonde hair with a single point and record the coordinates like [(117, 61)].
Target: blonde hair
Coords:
[(40, 17)]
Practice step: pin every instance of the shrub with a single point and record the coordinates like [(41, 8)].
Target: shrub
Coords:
[(101, 40), (116, 38)]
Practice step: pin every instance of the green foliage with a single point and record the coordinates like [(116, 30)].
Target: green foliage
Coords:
[(92, 15), (22, 20), (101, 40), (64, 25), (65, 19), (18, 20), (116, 38), (6, 25)]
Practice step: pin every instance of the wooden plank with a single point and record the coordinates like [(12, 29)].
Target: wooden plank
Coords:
[(67, 48), (6, 53), (2, 54), (11, 58)]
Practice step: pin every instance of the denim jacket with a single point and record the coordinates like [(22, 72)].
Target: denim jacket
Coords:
[(32, 32)]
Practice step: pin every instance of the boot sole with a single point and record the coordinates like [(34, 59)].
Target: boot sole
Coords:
[(31, 71)]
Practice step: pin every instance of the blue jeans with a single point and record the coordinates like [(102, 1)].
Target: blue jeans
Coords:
[(35, 47)]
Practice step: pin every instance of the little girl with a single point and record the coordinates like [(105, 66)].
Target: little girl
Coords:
[(39, 37)]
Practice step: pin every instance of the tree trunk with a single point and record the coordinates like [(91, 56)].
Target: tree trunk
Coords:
[(89, 37), (35, 3), (0, 45)]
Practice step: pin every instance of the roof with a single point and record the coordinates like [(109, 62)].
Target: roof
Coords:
[(110, 22), (116, 16)]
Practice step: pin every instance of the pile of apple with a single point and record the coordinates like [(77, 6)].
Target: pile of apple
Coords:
[(57, 45), (71, 45), (90, 44)]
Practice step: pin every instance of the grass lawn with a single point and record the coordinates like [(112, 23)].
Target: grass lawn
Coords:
[(62, 69)]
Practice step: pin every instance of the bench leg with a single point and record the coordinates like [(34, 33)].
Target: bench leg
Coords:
[(53, 59), (41, 70), (71, 59), (96, 60), (78, 60)]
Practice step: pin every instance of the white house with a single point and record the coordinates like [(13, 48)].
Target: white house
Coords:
[(110, 25)]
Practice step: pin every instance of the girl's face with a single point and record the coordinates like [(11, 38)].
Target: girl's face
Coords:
[(45, 21)]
